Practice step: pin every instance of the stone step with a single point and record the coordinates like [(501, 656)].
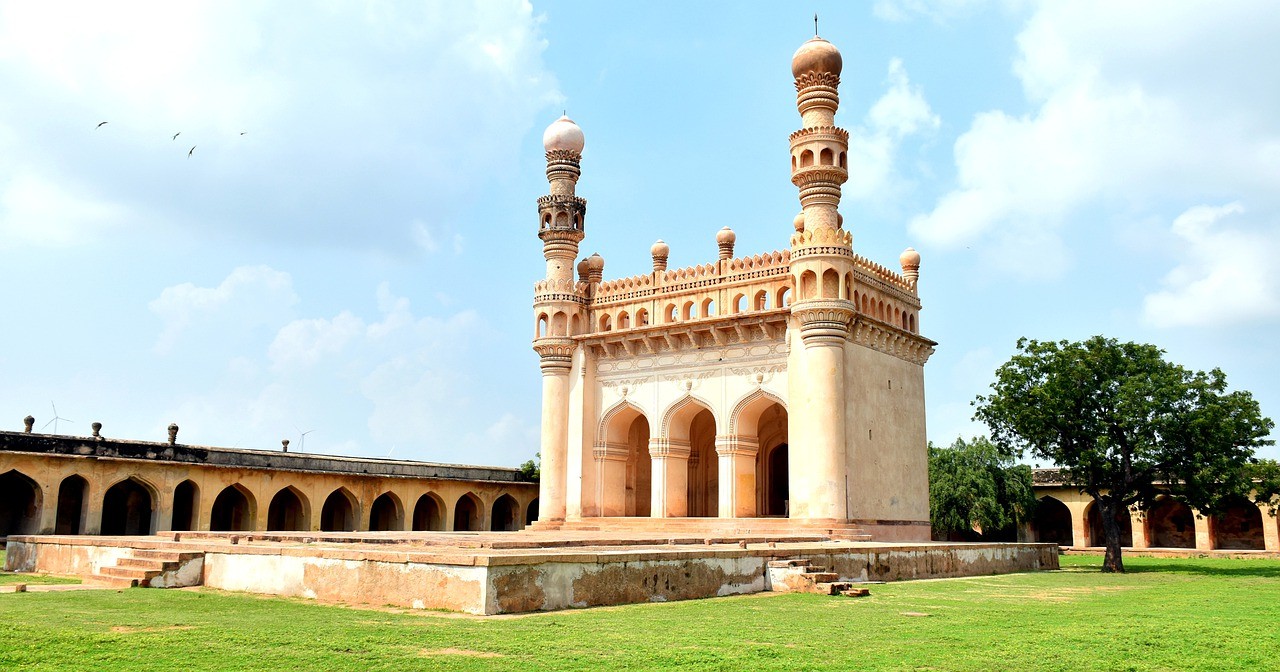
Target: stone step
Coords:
[(148, 564), (164, 555), (831, 587), (142, 576), (856, 592), (109, 581), (820, 577)]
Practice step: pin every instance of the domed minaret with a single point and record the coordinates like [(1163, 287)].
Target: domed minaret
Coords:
[(821, 261), (558, 304)]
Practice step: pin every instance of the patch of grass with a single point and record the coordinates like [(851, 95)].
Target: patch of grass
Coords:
[(11, 578), (1166, 614)]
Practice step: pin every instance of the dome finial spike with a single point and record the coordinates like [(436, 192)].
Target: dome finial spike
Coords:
[(815, 24)]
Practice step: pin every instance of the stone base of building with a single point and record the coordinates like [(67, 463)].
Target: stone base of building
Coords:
[(1129, 552), (496, 573)]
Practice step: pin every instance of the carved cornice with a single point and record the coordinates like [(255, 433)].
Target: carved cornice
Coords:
[(733, 444), (821, 241), (834, 133), (819, 175), (817, 79), (612, 452), (669, 448), (890, 340), (703, 334)]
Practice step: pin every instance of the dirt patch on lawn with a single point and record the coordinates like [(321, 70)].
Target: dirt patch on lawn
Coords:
[(130, 630)]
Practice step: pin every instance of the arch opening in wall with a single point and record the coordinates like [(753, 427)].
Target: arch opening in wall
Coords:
[(669, 313), (186, 504), (911, 324), (338, 514), (624, 320), (531, 513), (1170, 524), (73, 500), (540, 331), (843, 162), (689, 311), (1238, 527), (808, 285), (288, 511), (881, 313), (793, 162), (1096, 535), (506, 515), (690, 422), (761, 419), (806, 158), (128, 509), (1053, 522), (761, 301), (575, 325), (830, 284), (559, 324), (626, 491), (826, 157), (467, 514), (784, 297), (737, 304), (777, 497), (605, 323), (19, 504), (428, 513), (708, 307), (386, 514), (642, 318), (848, 289), (232, 510)]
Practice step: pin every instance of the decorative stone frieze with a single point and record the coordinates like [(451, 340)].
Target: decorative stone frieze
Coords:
[(669, 448), (823, 322), (734, 444), (556, 354)]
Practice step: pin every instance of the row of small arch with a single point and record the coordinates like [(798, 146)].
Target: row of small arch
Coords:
[(129, 506), (826, 157), (1169, 524), (831, 287)]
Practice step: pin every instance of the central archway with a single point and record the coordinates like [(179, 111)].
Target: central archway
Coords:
[(232, 510), (1053, 522), (339, 512), (288, 512), (759, 426), (1096, 534), (466, 514), (128, 509), (506, 515), (72, 498), (186, 502), (386, 514), (428, 513), (623, 461), (1170, 524)]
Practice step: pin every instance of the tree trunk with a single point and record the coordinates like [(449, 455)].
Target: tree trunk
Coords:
[(1107, 508)]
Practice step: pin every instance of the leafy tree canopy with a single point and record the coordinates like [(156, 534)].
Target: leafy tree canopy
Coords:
[(1120, 420), (976, 487), (531, 470)]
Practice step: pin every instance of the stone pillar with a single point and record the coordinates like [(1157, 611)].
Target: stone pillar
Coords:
[(1270, 530), (824, 325), (556, 361), (737, 455), (164, 510), (48, 508), (611, 475), (670, 477), (1204, 531), (1138, 524), (1079, 524)]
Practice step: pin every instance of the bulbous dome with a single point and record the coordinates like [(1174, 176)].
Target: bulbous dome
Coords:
[(563, 134), (798, 222), (582, 267), (595, 262), (910, 258), (816, 55), (660, 249), (726, 235)]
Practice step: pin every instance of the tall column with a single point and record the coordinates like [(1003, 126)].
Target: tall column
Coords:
[(611, 477), (670, 478), (1204, 531), (821, 256), (1138, 525), (737, 456), (557, 301)]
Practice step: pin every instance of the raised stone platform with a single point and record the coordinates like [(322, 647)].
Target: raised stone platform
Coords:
[(495, 573)]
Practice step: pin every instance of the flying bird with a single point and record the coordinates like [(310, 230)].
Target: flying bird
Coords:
[(192, 151), (175, 135), (243, 132), (100, 124)]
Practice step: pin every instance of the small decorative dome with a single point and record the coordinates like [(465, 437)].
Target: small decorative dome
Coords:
[(595, 263), (798, 222), (583, 267), (726, 235), (660, 249), (910, 258), (816, 55), (563, 134)]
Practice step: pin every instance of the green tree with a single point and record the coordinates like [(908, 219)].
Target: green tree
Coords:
[(976, 487), (532, 470), (1118, 419)]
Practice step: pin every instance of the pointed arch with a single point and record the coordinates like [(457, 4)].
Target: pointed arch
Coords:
[(339, 512), (289, 511), (746, 412), (73, 500), (20, 504), (683, 409), (234, 510), (428, 513), (624, 407), (386, 513), (186, 506), (506, 514), (128, 507), (468, 513)]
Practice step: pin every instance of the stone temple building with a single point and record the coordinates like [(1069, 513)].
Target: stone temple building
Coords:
[(787, 384)]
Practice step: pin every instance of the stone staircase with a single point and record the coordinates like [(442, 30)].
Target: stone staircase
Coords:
[(723, 527), (798, 575), (145, 568)]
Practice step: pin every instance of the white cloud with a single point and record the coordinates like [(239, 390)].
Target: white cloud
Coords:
[(421, 104), (937, 10), (1229, 276), (302, 343), (39, 211), (1134, 103), (250, 295), (900, 112)]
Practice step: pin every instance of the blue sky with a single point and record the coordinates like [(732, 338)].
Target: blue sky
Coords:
[(351, 246)]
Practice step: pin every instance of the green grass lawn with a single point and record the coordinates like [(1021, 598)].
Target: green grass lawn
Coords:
[(1165, 614)]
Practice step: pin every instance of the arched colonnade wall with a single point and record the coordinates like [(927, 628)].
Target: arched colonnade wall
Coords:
[(68, 494), (1070, 518)]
